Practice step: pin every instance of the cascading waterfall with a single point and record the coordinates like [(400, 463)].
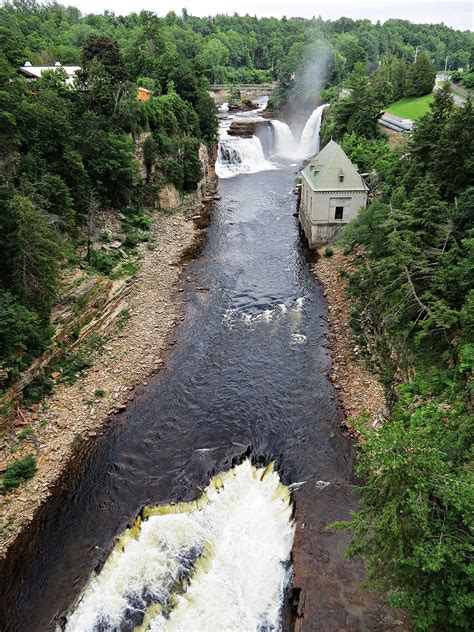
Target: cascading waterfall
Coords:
[(221, 562), (309, 143), (240, 155), (286, 145), (246, 155)]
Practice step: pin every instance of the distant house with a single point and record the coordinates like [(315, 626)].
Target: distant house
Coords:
[(143, 94), (332, 192), (34, 72)]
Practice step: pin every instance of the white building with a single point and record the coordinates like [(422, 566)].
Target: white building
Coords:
[(332, 192), (34, 72)]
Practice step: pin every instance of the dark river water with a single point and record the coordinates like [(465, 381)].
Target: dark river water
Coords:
[(248, 375)]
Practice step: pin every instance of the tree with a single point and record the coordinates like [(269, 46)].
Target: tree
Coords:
[(358, 112), (213, 56), (22, 334), (454, 154), (421, 77), (34, 253), (173, 67), (104, 50), (413, 527)]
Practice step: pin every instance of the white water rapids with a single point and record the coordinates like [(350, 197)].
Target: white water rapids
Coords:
[(241, 155), (246, 155), (218, 563)]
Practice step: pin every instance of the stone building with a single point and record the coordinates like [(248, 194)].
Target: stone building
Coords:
[(332, 192)]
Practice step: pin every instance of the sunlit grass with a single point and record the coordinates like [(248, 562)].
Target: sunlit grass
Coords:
[(411, 107)]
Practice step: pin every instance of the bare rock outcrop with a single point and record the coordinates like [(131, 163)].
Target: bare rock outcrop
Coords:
[(169, 197)]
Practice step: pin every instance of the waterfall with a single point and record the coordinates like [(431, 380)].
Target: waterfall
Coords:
[(220, 562), (240, 155), (286, 144), (309, 144)]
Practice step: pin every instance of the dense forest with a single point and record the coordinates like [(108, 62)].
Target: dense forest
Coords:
[(413, 286), (65, 151)]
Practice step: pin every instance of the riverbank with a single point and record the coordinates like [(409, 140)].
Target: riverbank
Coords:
[(360, 392), (78, 412)]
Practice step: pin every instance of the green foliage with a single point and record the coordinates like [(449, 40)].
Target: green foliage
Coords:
[(126, 269), (99, 392), (420, 77), (374, 156), (18, 472), (77, 442), (74, 364), (39, 388), (103, 261), (357, 112), (467, 80), (22, 335), (123, 318), (414, 284), (26, 432), (328, 251), (30, 263), (413, 528)]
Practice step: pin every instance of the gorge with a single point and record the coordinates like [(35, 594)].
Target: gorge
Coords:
[(247, 379)]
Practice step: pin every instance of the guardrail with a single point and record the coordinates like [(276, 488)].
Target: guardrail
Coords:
[(243, 86)]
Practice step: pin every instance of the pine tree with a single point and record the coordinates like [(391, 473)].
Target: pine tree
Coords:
[(454, 155), (421, 77), (34, 251)]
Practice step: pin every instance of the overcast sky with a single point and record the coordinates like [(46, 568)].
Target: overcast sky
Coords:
[(455, 13)]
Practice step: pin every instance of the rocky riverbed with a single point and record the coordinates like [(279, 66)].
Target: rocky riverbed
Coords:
[(78, 412), (360, 391)]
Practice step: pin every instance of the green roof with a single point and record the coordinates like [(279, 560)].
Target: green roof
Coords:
[(331, 170)]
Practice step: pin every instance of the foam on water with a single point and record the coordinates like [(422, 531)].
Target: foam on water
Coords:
[(298, 338), (221, 562), (234, 315), (240, 155)]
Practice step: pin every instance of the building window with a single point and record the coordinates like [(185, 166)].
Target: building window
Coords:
[(339, 212)]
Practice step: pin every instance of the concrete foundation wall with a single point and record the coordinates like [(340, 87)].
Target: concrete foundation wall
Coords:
[(317, 212)]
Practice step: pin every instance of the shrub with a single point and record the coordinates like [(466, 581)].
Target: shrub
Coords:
[(26, 432), (40, 387), (126, 269), (22, 334), (328, 252), (73, 364), (103, 261), (18, 472), (134, 237), (140, 221), (77, 442), (105, 236)]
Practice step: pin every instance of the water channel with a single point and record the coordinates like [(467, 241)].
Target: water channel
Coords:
[(246, 379)]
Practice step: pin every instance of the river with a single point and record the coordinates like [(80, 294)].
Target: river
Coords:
[(247, 378)]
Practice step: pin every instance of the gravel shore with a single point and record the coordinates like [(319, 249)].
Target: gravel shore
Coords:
[(133, 351), (360, 391)]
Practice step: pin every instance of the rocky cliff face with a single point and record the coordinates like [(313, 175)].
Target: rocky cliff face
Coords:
[(208, 183)]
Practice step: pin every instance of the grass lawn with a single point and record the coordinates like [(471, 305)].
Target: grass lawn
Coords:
[(411, 107)]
